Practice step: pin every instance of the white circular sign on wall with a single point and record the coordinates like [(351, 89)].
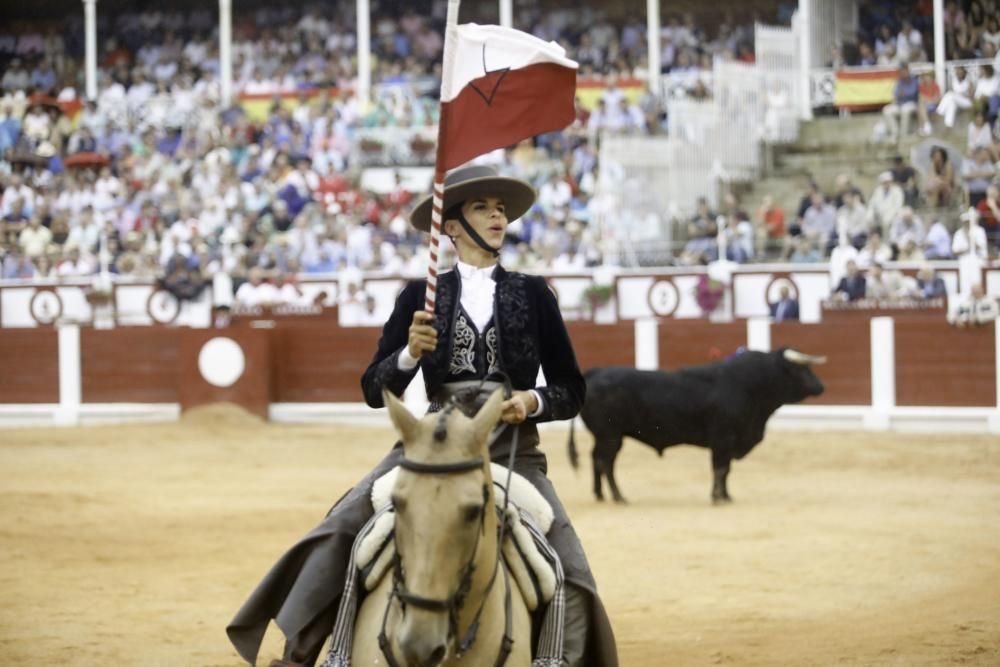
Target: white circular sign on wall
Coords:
[(221, 361)]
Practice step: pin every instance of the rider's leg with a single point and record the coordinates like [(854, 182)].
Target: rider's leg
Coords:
[(576, 625)]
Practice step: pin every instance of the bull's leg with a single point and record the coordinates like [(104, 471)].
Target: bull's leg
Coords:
[(605, 452), (720, 472), (610, 474), (598, 467)]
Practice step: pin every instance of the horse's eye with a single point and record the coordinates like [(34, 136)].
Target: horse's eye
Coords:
[(473, 513)]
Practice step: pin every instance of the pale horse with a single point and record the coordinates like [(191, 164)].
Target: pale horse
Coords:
[(449, 599)]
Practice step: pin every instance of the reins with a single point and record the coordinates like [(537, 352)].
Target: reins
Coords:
[(453, 604)]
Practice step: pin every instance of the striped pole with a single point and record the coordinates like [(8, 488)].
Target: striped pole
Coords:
[(437, 202)]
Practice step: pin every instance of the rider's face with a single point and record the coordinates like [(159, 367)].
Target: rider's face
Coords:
[(487, 216)]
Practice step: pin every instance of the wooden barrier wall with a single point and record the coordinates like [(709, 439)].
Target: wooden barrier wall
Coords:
[(602, 344), (847, 347), (936, 364), (30, 362), (129, 364), (316, 365), (693, 342)]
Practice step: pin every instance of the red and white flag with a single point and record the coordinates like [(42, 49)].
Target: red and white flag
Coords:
[(506, 86)]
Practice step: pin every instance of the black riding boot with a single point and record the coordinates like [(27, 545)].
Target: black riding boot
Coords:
[(576, 624)]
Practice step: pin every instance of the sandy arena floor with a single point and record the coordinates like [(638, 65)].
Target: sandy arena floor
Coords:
[(135, 545)]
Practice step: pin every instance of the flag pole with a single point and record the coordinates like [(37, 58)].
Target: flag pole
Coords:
[(437, 200)]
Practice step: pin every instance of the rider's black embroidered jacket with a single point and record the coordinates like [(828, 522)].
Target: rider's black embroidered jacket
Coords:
[(530, 333)]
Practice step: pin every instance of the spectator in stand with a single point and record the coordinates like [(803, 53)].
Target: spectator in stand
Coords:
[(970, 238), (806, 201), (34, 239), (906, 177), (907, 228), (769, 225), (877, 284), (874, 251), (910, 252), (352, 305), (14, 221), (15, 77), (852, 220), (845, 185), (184, 282), (866, 55), (929, 99), (852, 286), (17, 266), (803, 251), (885, 203), (257, 291), (10, 126), (938, 242), (882, 284), (702, 231), (959, 97), (909, 43), (840, 255), (819, 224), (785, 309), (939, 185), (904, 105), (986, 98), (989, 214), (977, 172), (75, 263), (991, 36), (979, 135), (977, 309), (929, 283)]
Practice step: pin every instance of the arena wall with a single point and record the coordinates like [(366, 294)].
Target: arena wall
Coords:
[(911, 370)]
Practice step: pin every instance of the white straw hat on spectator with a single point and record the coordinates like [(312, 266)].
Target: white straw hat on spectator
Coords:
[(970, 214), (885, 177)]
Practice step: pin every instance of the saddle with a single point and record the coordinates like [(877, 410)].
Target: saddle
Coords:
[(528, 516)]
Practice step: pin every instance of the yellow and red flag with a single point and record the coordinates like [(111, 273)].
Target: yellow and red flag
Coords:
[(859, 90)]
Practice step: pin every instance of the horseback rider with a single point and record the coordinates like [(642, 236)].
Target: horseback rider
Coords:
[(495, 325)]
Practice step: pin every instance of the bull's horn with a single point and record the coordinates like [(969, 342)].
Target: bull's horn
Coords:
[(797, 357)]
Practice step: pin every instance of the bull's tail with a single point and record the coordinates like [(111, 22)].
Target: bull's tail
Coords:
[(574, 459)]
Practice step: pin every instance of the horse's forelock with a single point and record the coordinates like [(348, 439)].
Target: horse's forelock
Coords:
[(441, 428)]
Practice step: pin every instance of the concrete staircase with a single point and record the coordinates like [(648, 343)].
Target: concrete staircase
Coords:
[(829, 146)]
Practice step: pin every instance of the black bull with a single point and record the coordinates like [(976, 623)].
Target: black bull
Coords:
[(724, 406)]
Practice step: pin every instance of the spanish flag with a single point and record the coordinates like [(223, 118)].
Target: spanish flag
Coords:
[(860, 90)]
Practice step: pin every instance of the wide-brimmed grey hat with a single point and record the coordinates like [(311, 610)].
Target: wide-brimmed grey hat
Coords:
[(467, 182)]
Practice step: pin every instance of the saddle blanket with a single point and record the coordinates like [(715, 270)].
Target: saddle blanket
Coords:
[(534, 573)]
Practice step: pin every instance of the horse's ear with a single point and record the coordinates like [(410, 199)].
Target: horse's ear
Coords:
[(404, 421), (488, 416)]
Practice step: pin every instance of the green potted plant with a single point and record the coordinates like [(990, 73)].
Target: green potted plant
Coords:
[(596, 296)]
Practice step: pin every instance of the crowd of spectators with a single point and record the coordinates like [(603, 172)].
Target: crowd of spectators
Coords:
[(155, 179), (894, 33)]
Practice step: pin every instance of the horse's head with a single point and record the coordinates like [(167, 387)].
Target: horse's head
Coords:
[(444, 523)]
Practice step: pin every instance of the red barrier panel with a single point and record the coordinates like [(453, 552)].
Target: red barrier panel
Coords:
[(315, 365), (602, 344), (129, 365), (693, 342), (230, 365), (847, 347), (30, 362), (938, 364)]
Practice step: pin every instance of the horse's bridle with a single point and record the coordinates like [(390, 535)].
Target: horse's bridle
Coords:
[(453, 604)]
